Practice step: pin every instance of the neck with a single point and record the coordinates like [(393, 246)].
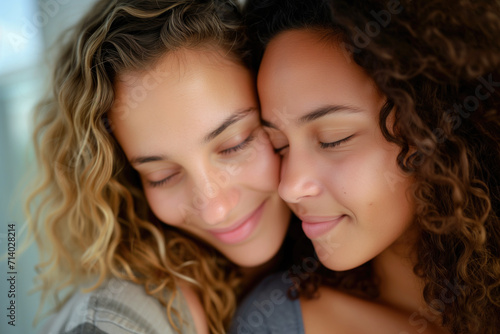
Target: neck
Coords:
[(252, 275), (402, 290), (399, 286)]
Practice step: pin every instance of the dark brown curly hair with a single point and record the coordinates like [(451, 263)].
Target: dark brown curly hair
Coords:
[(438, 64)]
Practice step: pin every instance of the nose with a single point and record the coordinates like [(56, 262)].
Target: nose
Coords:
[(215, 196), (298, 179)]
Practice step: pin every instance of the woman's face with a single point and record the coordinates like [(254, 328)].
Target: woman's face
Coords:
[(190, 127), (338, 174)]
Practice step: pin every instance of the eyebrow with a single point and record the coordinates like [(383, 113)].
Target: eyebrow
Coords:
[(145, 159), (233, 118), (317, 113)]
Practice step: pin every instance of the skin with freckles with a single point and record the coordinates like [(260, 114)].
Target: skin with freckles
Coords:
[(339, 174), (206, 164)]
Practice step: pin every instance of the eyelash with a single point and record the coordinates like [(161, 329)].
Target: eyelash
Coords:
[(161, 182), (230, 150), (322, 145), (239, 147), (335, 143), (278, 150)]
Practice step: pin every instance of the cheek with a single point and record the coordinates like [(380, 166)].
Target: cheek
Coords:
[(347, 178), (268, 168), (369, 179), (169, 209), (262, 167), (384, 187)]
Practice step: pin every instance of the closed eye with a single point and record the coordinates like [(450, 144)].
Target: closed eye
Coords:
[(162, 182), (280, 149), (335, 143), (239, 147)]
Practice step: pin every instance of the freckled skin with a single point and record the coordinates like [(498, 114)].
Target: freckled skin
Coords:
[(358, 178), (207, 189)]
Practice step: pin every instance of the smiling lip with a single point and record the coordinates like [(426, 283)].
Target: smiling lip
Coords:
[(314, 227), (241, 229)]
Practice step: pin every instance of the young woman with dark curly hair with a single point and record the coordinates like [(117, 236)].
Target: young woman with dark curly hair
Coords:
[(387, 118), (158, 185)]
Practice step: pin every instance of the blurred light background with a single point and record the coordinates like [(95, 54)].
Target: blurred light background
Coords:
[(28, 30)]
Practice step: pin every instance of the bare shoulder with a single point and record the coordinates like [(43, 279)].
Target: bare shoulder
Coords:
[(336, 312), (195, 308)]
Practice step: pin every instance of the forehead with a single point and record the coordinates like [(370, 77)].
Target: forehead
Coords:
[(182, 97), (301, 70), (302, 51)]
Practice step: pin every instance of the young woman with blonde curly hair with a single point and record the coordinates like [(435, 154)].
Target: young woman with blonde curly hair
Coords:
[(158, 188), (387, 117)]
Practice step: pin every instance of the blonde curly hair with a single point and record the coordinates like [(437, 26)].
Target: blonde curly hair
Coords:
[(89, 215)]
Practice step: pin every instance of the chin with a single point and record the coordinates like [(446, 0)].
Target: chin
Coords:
[(249, 257), (264, 246), (335, 260), (336, 266)]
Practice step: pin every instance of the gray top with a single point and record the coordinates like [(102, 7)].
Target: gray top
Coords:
[(268, 310), (117, 307)]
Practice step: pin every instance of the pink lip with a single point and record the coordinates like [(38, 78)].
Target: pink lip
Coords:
[(240, 230), (314, 227)]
